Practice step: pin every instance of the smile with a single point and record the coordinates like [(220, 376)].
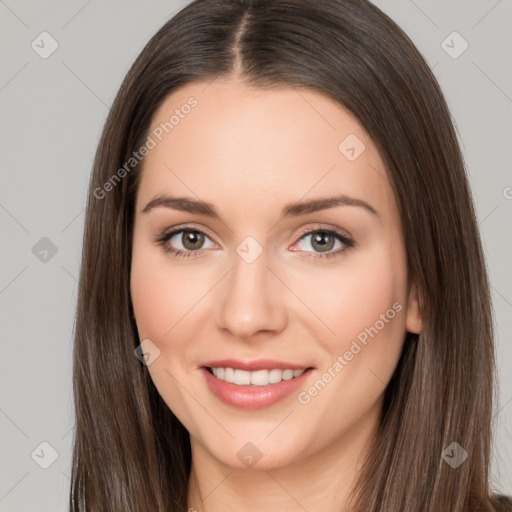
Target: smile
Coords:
[(256, 378), (256, 385)]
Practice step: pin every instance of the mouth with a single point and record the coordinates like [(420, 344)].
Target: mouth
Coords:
[(263, 377), (256, 384)]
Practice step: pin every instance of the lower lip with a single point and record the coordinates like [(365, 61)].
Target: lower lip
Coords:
[(253, 397)]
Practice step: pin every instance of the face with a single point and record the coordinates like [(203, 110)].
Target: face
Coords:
[(264, 285)]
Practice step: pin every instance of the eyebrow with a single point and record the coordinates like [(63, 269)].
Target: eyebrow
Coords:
[(296, 209)]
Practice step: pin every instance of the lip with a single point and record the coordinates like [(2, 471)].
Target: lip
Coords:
[(253, 397), (254, 365)]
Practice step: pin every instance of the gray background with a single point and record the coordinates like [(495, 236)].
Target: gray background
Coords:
[(52, 111)]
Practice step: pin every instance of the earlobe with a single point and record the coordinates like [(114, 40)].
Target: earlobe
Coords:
[(414, 322)]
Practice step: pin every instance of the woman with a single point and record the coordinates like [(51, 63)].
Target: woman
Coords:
[(283, 302)]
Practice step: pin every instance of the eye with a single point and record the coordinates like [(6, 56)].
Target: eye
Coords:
[(191, 241), (323, 241)]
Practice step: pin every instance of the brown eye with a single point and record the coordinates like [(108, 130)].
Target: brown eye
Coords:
[(185, 242), (325, 243), (192, 240), (322, 241)]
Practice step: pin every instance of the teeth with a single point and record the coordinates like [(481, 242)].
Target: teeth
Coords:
[(242, 378), (229, 374), (287, 374), (257, 378)]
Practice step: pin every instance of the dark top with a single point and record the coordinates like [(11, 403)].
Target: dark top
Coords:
[(505, 503)]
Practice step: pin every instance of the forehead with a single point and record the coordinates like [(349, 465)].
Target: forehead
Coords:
[(229, 141)]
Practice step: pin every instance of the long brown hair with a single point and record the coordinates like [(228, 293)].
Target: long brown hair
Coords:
[(130, 452)]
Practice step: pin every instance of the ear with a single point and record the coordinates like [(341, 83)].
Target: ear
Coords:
[(414, 321)]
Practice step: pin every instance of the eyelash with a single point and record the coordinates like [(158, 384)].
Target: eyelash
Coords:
[(178, 253)]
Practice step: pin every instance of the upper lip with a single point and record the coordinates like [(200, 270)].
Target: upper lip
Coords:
[(254, 365)]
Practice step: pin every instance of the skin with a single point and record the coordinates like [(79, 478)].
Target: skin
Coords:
[(250, 152)]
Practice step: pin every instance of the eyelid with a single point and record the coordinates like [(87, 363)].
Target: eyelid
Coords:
[(189, 227), (324, 227)]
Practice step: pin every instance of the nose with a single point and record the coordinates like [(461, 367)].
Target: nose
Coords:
[(251, 301)]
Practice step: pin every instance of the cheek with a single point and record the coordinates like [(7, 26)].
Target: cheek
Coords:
[(355, 296), (368, 301), (158, 307), (161, 299), (161, 295), (151, 293), (365, 307), (377, 330)]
